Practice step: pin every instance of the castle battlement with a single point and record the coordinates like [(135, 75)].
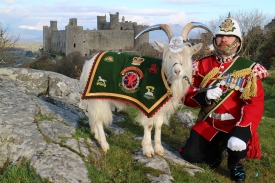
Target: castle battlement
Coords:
[(113, 35)]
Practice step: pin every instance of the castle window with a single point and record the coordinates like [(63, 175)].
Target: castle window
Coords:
[(74, 45)]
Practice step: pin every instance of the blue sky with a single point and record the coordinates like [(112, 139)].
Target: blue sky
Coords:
[(27, 17)]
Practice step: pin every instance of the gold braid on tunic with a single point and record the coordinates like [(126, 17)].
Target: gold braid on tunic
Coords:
[(250, 89)]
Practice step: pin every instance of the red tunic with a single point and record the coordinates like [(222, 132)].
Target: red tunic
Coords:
[(247, 113)]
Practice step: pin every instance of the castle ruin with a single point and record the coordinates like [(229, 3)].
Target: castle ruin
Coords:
[(113, 35)]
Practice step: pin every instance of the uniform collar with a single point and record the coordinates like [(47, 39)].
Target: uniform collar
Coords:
[(225, 60)]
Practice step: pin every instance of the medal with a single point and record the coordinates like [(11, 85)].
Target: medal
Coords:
[(224, 81), (242, 85), (232, 84), (238, 83), (228, 81)]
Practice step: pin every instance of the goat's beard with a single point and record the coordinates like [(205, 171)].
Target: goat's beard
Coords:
[(226, 50), (177, 89)]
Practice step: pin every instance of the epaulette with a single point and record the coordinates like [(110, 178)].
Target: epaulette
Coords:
[(259, 71)]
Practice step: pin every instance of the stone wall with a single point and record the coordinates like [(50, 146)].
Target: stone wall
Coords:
[(58, 41), (108, 40)]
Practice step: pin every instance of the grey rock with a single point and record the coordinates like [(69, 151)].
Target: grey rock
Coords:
[(116, 129), (163, 178), (186, 117), (38, 130), (156, 162), (39, 113), (161, 163)]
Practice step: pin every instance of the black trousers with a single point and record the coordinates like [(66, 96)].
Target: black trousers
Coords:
[(197, 149)]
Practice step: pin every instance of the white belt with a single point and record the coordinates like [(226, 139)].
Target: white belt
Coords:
[(221, 117)]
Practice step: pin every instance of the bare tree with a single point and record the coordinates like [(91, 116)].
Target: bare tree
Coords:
[(7, 42), (253, 39)]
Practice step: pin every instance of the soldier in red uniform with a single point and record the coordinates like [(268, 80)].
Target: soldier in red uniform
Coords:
[(229, 91)]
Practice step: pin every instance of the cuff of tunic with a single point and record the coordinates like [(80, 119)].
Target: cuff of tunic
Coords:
[(242, 133), (201, 98)]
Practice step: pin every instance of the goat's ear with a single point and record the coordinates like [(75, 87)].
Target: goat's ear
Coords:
[(160, 46), (211, 47), (196, 48)]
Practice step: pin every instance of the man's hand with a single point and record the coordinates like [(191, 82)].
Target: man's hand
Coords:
[(236, 144), (214, 93)]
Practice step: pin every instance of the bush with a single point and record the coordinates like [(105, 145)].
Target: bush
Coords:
[(71, 65), (42, 63)]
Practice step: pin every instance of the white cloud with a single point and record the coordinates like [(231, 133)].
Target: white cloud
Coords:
[(178, 18), (140, 20), (38, 26)]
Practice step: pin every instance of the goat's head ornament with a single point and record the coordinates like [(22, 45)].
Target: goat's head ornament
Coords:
[(176, 43)]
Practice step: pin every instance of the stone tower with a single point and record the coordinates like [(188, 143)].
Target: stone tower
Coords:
[(47, 35), (101, 23), (74, 37), (114, 21)]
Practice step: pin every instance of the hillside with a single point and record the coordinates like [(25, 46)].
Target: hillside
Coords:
[(29, 45)]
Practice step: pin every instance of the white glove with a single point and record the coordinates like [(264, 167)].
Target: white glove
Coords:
[(236, 144), (214, 93)]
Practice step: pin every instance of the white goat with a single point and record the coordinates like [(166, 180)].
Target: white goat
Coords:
[(176, 64)]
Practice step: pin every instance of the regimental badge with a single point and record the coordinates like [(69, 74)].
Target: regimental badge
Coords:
[(109, 59), (227, 26), (137, 60), (130, 79), (149, 94), (101, 82), (153, 69)]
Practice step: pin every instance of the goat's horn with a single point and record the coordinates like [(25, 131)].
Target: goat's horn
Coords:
[(187, 28), (163, 27)]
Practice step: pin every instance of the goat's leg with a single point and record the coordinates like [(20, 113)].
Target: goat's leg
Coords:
[(146, 141), (93, 127), (94, 131), (101, 137), (100, 114), (158, 147)]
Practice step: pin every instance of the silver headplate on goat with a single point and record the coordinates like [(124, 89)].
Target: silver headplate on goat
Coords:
[(176, 44)]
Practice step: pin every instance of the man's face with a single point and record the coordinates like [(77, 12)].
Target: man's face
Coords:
[(224, 41)]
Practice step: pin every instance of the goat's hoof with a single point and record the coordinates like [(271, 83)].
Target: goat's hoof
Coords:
[(160, 153), (149, 155)]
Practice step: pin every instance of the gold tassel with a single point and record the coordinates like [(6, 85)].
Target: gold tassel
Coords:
[(250, 89), (253, 90), (246, 91), (209, 76)]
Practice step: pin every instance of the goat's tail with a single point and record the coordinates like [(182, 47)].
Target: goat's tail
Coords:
[(85, 72)]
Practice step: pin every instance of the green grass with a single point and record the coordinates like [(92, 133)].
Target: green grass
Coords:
[(19, 173), (118, 166)]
